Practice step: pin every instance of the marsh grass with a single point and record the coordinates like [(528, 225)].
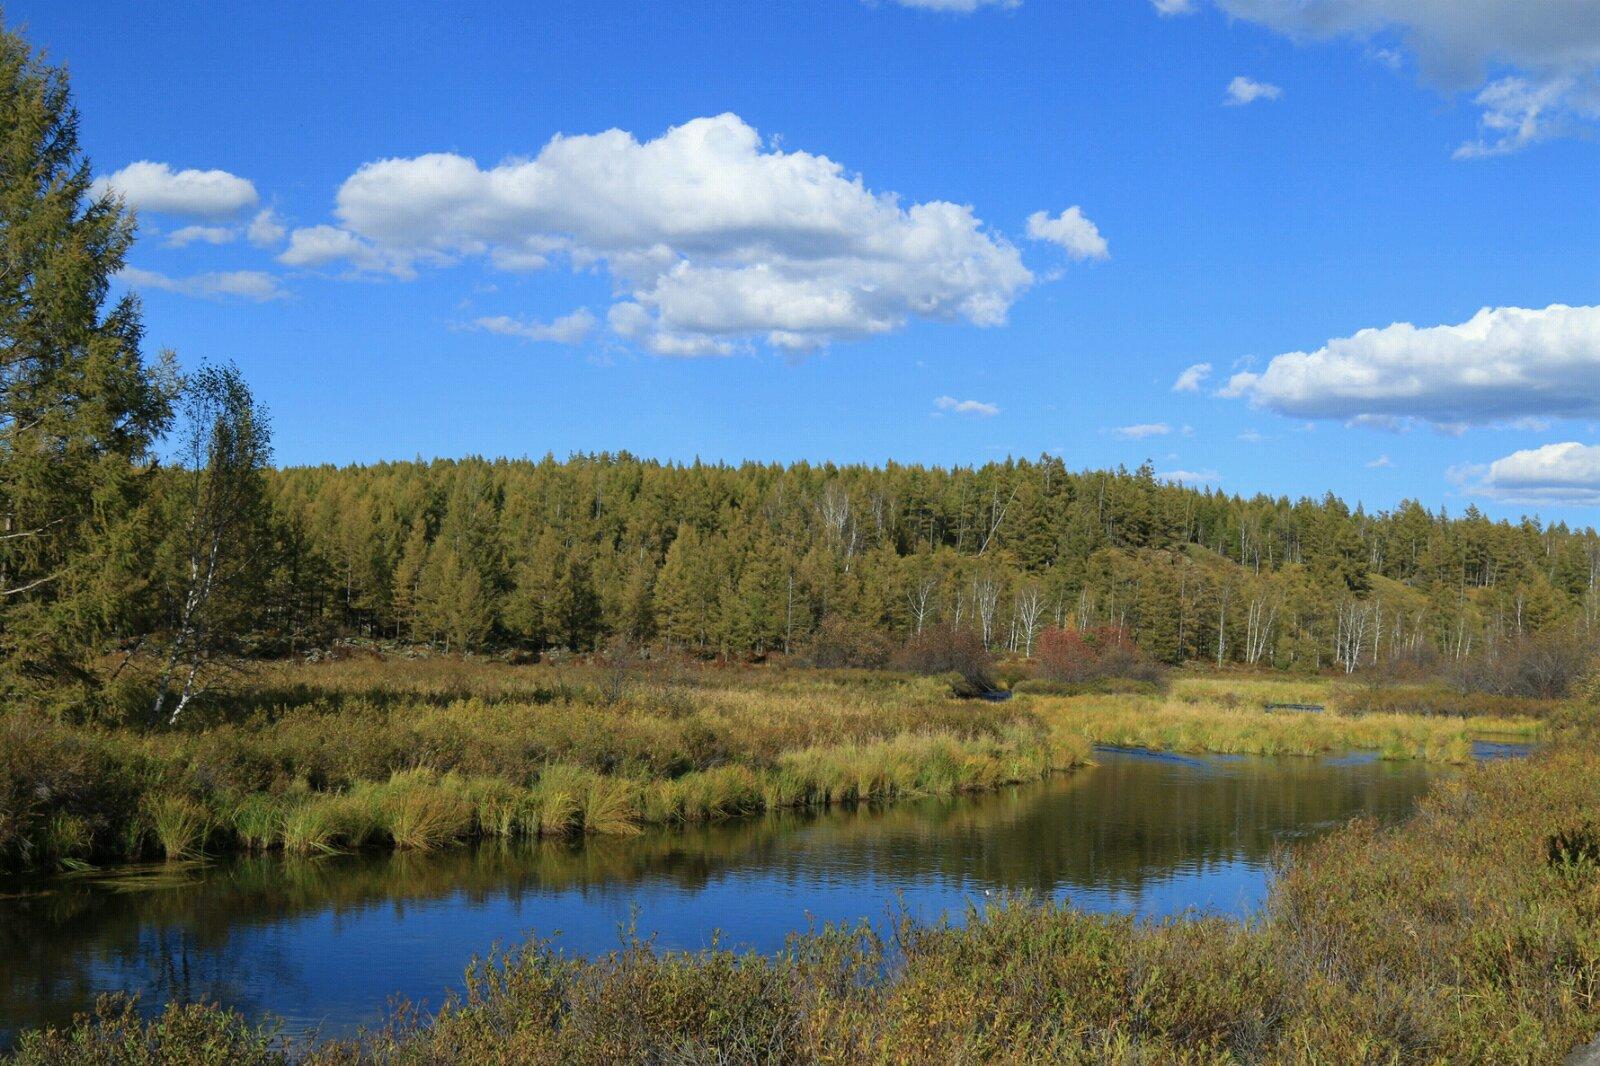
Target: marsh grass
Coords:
[(1232, 728), (257, 821), (420, 810), (180, 824), (1470, 933), (417, 754)]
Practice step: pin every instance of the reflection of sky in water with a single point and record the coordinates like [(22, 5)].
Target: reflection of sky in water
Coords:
[(1150, 835), (349, 962)]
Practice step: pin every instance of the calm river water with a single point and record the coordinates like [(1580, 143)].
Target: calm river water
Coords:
[(325, 942)]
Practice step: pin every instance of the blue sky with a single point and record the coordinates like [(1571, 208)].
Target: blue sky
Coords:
[(811, 237)]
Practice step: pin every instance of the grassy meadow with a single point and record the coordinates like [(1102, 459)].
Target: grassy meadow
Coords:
[(429, 752), (419, 753)]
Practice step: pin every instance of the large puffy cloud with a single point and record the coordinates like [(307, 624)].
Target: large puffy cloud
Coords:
[(1543, 55), (1501, 365), (709, 239), (208, 194), (1555, 473)]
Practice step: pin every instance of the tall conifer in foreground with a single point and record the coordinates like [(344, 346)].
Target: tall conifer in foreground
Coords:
[(79, 408)]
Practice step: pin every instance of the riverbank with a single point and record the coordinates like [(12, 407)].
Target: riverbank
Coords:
[(1470, 933), (425, 753)]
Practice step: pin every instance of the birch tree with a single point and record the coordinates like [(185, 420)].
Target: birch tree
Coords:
[(221, 516)]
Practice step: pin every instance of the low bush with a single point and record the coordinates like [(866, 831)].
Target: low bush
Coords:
[(953, 652), (1077, 656), (1547, 666)]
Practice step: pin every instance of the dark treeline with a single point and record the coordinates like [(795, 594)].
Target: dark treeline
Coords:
[(841, 563)]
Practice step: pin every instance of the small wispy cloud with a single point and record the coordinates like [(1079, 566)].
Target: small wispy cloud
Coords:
[(1190, 477), (1142, 430), (182, 238), (240, 284), (568, 329), (1243, 90), (266, 229), (966, 407), (1192, 378), (1251, 436), (1380, 463)]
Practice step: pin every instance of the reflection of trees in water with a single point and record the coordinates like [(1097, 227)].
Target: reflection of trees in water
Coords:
[(198, 932), (1125, 823)]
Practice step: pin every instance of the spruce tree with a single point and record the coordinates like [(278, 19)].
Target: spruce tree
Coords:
[(79, 407)]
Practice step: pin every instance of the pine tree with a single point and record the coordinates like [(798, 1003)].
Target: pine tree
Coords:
[(407, 576), (79, 408)]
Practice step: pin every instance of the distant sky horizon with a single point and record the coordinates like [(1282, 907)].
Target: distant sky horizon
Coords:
[(1276, 246)]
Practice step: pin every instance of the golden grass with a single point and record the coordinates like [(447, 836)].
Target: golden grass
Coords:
[(1242, 729)]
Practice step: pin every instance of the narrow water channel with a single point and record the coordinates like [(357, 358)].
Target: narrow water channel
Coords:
[(325, 942)]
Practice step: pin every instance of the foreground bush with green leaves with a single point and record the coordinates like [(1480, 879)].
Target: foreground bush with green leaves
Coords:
[(1469, 934)]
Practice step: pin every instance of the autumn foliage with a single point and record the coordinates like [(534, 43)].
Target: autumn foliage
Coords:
[(1079, 655)]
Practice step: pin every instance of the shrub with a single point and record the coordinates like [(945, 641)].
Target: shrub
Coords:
[(1546, 666), (952, 650), (839, 642), (1080, 655)]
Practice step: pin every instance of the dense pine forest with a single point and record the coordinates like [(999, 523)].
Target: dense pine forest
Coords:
[(845, 562)]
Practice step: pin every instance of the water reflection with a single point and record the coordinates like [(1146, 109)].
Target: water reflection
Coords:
[(327, 941)]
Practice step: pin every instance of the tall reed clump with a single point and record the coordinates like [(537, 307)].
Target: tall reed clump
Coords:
[(180, 824), (257, 821), (321, 823), (420, 810)]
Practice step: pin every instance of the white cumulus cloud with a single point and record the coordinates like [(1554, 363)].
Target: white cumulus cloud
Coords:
[(1143, 430), (1072, 231), (1192, 378), (711, 239), (207, 194), (1243, 90), (1568, 472), (567, 329), (1501, 365), (242, 284), (966, 407)]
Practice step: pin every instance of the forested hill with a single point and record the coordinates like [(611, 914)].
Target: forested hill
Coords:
[(844, 561)]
